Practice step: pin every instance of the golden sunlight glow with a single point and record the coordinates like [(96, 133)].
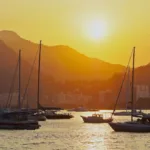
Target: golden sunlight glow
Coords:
[(96, 29), (99, 28)]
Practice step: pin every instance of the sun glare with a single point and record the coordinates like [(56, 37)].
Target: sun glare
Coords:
[(97, 29)]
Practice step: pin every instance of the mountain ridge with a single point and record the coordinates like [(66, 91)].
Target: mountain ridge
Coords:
[(64, 64), (60, 61)]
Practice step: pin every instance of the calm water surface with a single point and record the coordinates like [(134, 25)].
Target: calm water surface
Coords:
[(73, 134)]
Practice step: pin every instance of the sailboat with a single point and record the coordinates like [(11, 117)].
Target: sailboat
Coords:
[(127, 112), (17, 119), (34, 114), (142, 124), (39, 115), (48, 114)]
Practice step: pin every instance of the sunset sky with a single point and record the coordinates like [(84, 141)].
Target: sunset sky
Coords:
[(106, 29)]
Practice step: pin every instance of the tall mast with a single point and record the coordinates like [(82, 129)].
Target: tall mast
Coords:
[(39, 70), (122, 84), (27, 101), (128, 89), (19, 82), (132, 90)]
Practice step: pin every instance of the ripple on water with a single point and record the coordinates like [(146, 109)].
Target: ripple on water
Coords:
[(73, 134)]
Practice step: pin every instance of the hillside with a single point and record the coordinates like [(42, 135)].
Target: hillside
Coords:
[(62, 62)]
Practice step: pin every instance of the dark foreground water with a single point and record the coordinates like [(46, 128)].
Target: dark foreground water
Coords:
[(73, 134)]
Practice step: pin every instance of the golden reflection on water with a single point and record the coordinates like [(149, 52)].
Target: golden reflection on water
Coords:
[(73, 134), (107, 139)]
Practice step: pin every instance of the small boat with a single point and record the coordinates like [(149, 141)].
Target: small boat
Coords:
[(96, 118), (55, 115), (140, 125)]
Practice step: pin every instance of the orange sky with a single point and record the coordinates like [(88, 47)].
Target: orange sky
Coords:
[(65, 22)]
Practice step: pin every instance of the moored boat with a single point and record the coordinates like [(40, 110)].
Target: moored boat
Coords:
[(55, 115), (141, 125), (17, 120), (96, 118), (130, 127)]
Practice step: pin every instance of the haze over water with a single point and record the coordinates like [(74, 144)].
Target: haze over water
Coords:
[(73, 134)]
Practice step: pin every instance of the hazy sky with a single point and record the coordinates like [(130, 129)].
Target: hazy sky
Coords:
[(67, 22)]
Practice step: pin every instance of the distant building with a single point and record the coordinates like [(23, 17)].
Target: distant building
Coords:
[(72, 99), (142, 91), (103, 95), (142, 97)]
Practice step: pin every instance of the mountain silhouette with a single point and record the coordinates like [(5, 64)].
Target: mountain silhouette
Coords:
[(62, 62), (141, 79)]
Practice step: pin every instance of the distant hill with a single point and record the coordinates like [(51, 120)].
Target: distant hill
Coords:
[(62, 62), (142, 77)]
